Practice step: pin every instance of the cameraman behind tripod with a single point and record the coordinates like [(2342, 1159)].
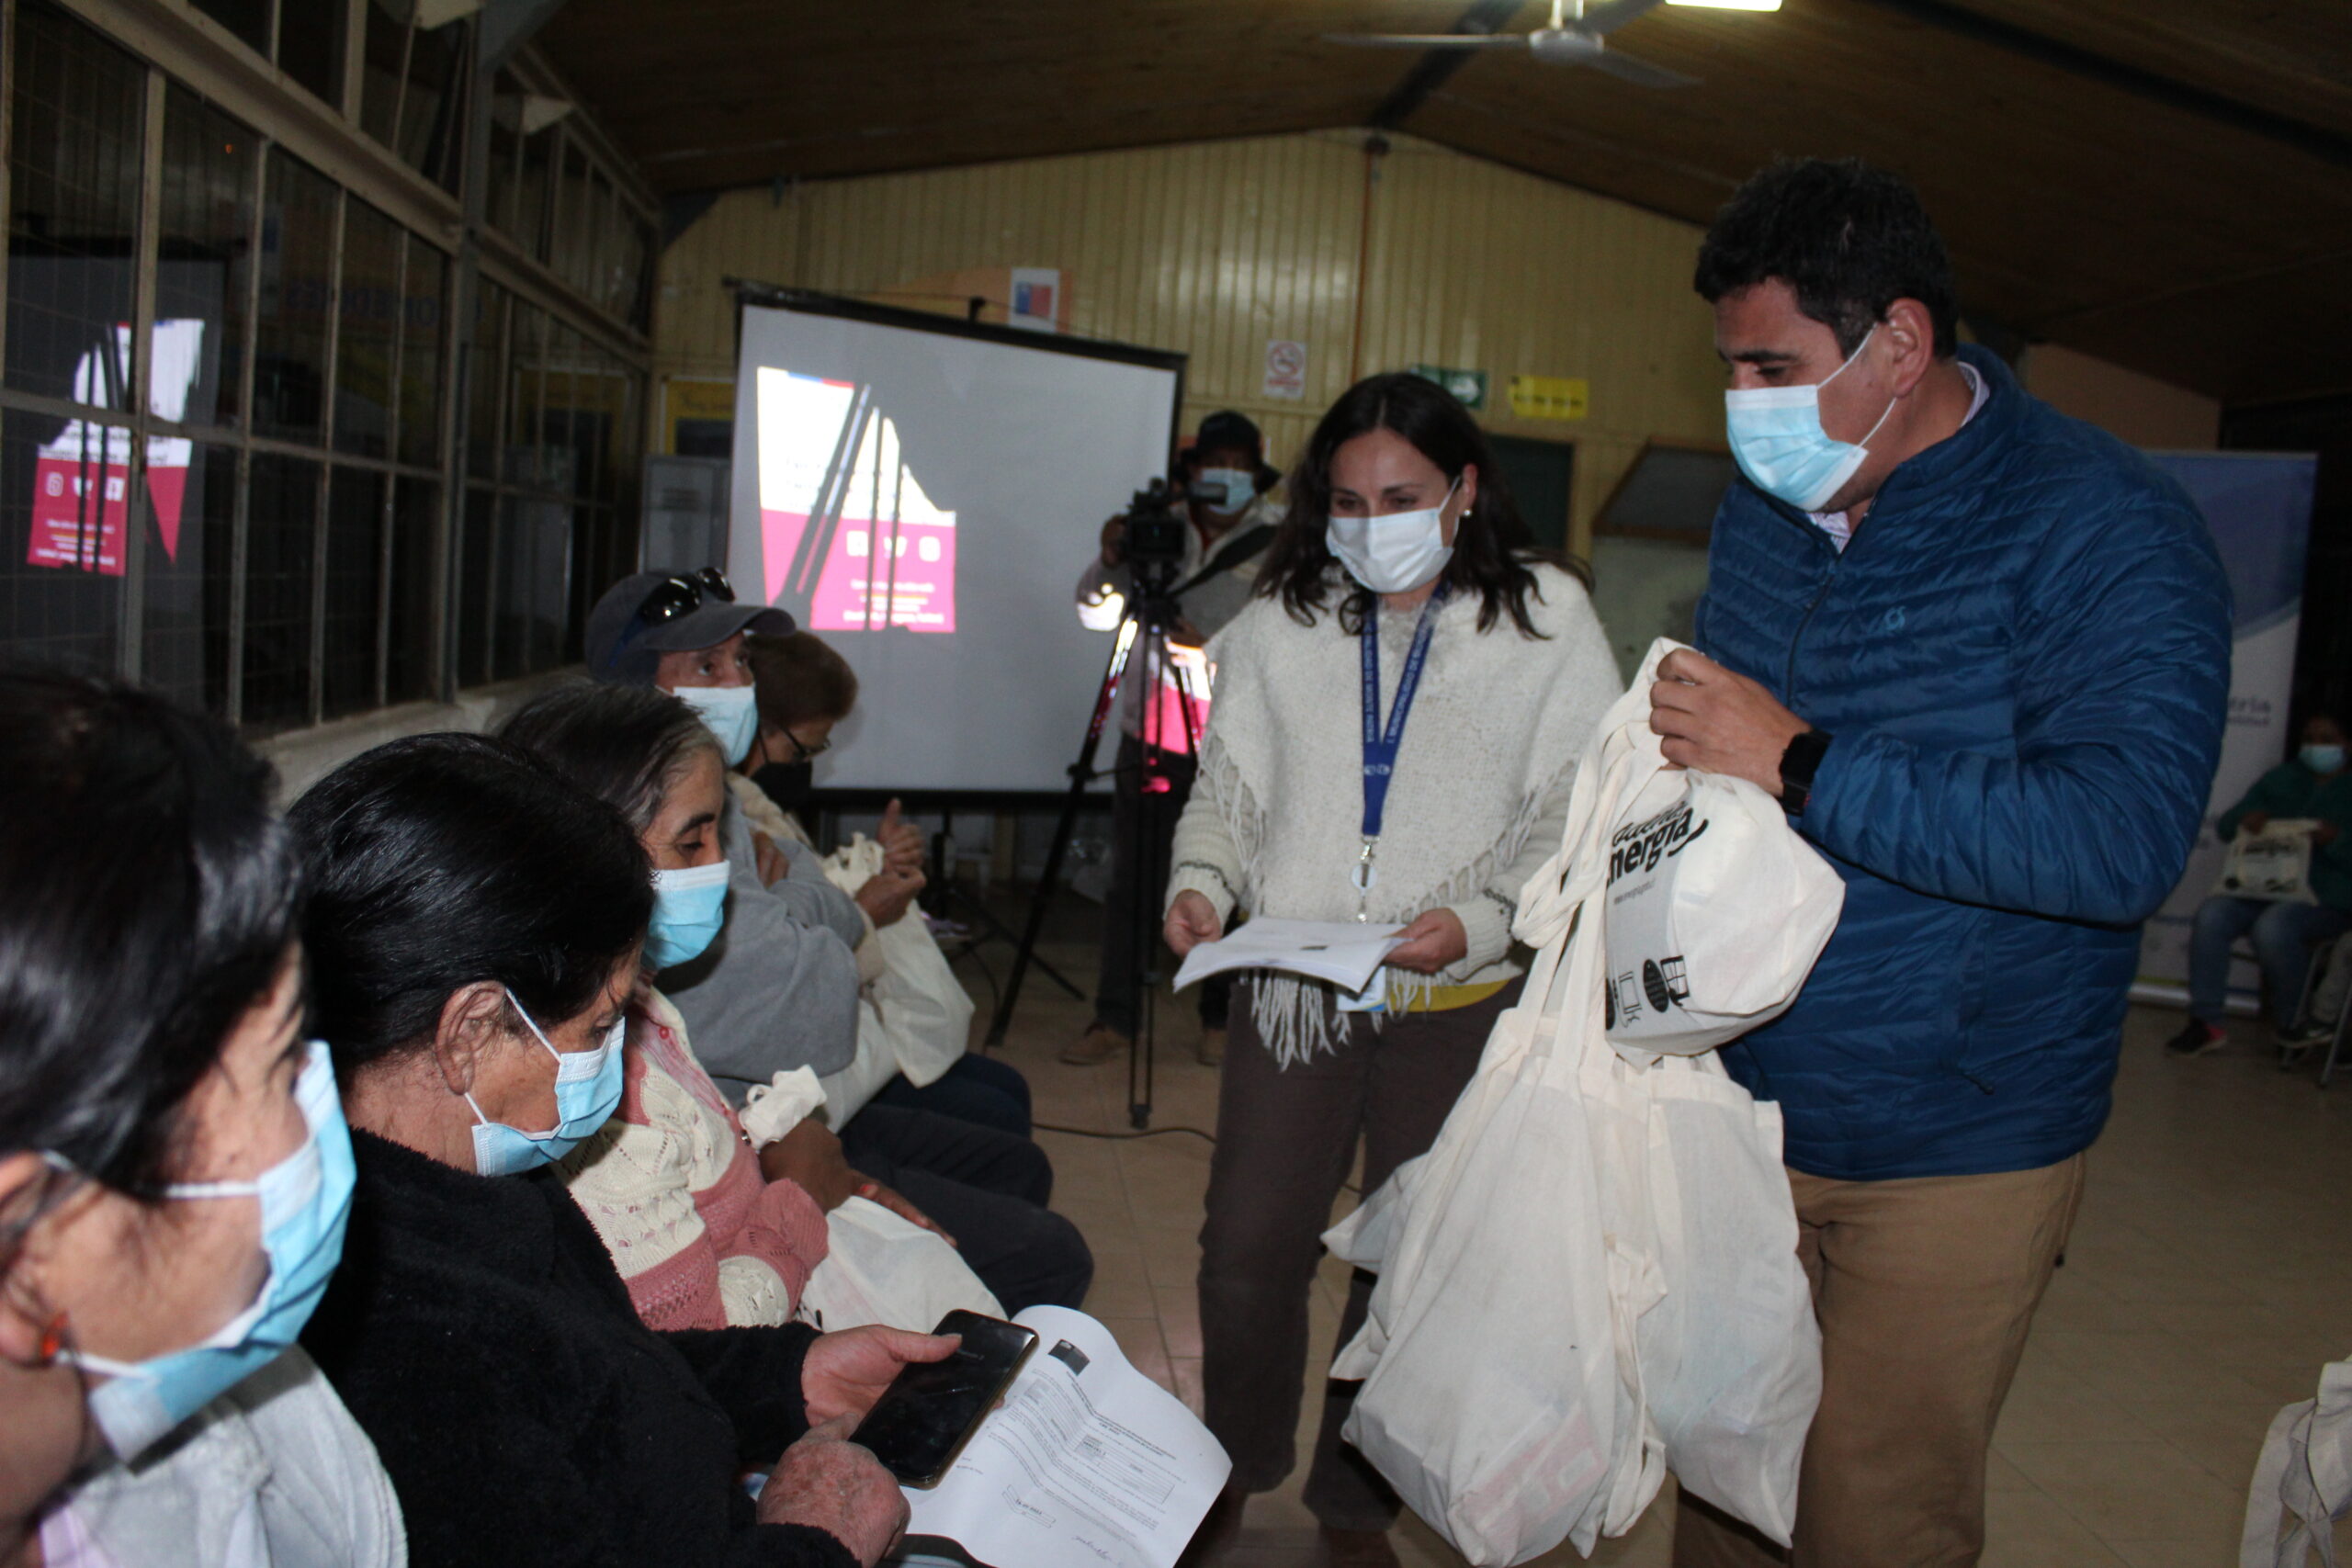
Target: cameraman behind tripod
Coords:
[(1232, 520)]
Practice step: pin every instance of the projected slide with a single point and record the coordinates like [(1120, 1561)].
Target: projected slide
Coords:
[(923, 495), (847, 528), (81, 478)]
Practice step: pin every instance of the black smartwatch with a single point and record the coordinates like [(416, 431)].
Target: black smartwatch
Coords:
[(1798, 765)]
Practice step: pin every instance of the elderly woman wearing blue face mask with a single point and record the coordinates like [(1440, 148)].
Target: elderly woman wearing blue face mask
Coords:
[(174, 1170), (476, 923), (1398, 715)]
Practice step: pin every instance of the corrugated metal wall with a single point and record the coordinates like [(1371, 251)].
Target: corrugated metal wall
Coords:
[(1217, 248)]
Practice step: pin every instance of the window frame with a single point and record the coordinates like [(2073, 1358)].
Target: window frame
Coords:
[(285, 119)]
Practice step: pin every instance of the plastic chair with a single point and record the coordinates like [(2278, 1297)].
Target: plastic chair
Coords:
[(2320, 954), (2343, 1014)]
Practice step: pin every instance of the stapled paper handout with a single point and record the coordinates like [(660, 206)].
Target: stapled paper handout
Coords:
[(1347, 954)]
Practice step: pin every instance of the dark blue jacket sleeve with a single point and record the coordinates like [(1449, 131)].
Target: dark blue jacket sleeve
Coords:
[(2122, 659)]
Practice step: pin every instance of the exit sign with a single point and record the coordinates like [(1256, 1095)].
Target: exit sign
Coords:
[(1468, 385)]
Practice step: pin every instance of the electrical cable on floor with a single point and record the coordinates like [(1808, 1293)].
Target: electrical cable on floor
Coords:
[(1123, 1137)]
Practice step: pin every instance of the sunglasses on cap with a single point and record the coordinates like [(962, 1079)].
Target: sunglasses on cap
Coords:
[(675, 596), (671, 598)]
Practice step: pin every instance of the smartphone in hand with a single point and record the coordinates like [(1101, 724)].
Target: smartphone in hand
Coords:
[(931, 1408)]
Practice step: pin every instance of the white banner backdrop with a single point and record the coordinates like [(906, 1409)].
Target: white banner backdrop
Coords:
[(2259, 505)]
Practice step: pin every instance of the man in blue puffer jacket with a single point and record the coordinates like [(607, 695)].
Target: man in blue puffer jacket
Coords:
[(1981, 653)]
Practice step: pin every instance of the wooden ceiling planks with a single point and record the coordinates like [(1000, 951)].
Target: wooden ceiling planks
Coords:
[(2293, 57), (2078, 209), (2055, 195), (745, 92)]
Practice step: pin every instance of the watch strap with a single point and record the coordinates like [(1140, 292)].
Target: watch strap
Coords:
[(1798, 765)]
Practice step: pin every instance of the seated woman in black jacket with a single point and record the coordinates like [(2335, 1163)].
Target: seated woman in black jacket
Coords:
[(474, 930)]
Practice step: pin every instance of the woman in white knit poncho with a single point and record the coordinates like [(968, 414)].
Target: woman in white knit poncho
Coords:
[(1400, 535)]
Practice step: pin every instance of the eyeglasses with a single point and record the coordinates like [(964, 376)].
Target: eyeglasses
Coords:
[(803, 751), (671, 598)]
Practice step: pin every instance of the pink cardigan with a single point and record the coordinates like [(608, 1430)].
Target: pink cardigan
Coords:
[(702, 1239)]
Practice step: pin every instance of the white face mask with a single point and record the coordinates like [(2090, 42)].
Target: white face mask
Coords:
[(1398, 553)]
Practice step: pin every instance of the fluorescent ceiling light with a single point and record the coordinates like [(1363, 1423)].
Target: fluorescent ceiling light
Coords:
[(1731, 5)]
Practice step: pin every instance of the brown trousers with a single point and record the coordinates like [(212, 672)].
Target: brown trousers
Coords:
[(1925, 1290), (1285, 1138)]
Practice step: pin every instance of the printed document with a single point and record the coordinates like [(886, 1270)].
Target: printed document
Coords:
[(1086, 1464), (1345, 952)]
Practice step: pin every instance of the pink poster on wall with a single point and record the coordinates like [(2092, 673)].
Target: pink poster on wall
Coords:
[(849, 540)]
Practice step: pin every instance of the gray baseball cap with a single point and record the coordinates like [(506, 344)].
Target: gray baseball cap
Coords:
[(624, 647)]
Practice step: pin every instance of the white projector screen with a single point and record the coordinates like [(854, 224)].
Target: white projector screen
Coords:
[(922, 494)]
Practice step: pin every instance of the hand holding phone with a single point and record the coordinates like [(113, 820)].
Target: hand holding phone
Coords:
[(931, 1408), (844, 1373)]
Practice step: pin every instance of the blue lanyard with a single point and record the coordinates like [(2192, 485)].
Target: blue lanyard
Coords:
[(1380, 747)]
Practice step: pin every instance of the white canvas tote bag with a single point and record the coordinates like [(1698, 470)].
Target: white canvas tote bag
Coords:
[(1730, 1353), (1706, 886), (2305, 1470), (1716, 910), (1592, 1275), (2274, 864), (881, 1267), (922, 1009), (1488, 1357)]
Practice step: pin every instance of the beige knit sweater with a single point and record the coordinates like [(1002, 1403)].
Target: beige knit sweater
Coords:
[(1476, 802)]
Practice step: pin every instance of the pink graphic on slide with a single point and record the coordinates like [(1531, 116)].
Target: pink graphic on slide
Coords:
[(876, 573), (848, 537), (82, 479)]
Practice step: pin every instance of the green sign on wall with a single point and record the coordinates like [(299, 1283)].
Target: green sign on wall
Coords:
[(1470, 385)]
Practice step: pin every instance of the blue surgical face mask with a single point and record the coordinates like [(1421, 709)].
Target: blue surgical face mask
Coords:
[(1240, 487), (1777, 436), (2323, 758), (305, 1203), (689, 907), (587, 1092), (731, 713)]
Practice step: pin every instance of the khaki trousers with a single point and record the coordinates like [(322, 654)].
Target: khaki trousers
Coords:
[(1925, 1290)]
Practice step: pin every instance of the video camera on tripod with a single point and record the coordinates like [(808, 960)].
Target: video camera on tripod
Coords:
[(1154, 540)]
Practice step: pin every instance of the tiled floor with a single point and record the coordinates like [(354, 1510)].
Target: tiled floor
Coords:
[(2208, 1279)]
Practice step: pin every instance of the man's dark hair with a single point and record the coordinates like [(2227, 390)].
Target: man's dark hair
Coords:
[(1491, 549), (151, 898), (625, 745), (442, 860), (1849, 239)]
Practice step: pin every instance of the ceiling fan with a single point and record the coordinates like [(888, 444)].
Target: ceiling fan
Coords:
[(1575, 36)]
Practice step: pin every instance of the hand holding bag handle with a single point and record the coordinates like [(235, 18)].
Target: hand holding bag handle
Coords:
[(1626, 754)]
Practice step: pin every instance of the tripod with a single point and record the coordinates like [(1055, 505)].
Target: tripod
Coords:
[(1149, 619)]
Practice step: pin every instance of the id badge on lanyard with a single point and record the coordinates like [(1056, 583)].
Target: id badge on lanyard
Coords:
[(1381, 745)]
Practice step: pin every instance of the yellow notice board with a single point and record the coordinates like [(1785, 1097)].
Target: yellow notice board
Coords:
[(1550, 397)]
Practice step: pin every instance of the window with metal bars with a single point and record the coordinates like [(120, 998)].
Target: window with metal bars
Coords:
[(222, 438)]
